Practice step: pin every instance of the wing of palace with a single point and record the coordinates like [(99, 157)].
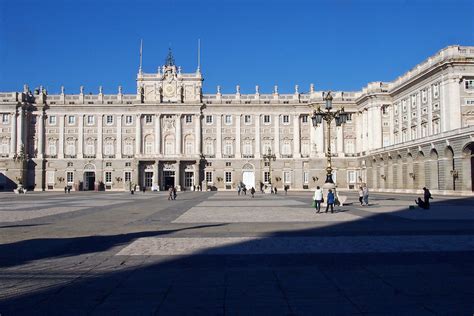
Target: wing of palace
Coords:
[(400, 136)]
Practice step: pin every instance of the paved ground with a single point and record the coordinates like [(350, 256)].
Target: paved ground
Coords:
[(215, 253)]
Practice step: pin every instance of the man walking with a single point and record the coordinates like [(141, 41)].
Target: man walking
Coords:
[(330, 201), (318, 198), (365, 195)]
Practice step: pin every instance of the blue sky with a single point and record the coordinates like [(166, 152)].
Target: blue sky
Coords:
[(337, 45)]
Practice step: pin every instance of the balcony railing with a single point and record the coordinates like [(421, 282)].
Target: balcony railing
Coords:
[(89, 156), (70, 156), (228, 156), (286, 156), (3, 155), (128, 156), (248, 155), (109, 156), (51, 156), (209, 155)]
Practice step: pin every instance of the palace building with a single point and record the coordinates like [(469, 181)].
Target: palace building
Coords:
[(415, 131)]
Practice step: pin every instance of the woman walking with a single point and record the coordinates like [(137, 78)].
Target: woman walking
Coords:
[(361, 196), (318, 198)]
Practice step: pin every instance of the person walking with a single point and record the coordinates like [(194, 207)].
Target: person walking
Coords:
[(286, 189), (252, 191), (361, 196), (330, 201), (174, 193), (238, 189), (425, 203), (170, 194), (276, 190), (365, 195), (318, 198)]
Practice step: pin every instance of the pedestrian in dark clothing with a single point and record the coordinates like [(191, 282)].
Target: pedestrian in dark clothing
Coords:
[(245, 190), (69, 189), (252, 191), (330, 201), (65, 189), (276, 190), (144, 189), (170, 193), (425, 203), (286, 189), (174, 193)]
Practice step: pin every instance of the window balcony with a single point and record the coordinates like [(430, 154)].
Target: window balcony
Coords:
[(109, 156), (228, 156), (248, 156), (128, 156), (209, 155), (287, 156), (4, 155), (89, 155), (51, 156), (70, 156)]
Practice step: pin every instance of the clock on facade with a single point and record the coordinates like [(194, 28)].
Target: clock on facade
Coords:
[(169, 90)]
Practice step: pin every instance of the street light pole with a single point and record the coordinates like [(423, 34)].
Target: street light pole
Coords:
[(269, 156), (340, 117)]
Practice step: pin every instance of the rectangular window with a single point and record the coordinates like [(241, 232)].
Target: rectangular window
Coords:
[(70, 177), (304, 118), (306, 177), (285, 119), (228, 119), (127, 176), (351, 176), (50, 177), (228, 177), (287, 177), (128, 119), (266, 119), (209, 176), (128, 164), (90, 120), (189, 118), (469, 84), (209, 119), (266, 176), (108, 177), (148, 119), (52, 120), (247, 119), (228, 164), (109, 119), (108, 164), (71, 120), (5, 118)]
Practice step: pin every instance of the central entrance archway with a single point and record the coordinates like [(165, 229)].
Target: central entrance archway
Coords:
[(248, 176), (89, 178)]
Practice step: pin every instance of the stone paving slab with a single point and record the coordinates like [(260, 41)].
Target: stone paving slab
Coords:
[(254, 214), (155, 246), (434, 213)]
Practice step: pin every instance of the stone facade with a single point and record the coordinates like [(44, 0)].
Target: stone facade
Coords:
[(415, 131)]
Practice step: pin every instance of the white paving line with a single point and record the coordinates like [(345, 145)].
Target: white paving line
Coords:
[(156, 246)]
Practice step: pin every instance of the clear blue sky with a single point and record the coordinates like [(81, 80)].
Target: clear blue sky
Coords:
[(337, 45)]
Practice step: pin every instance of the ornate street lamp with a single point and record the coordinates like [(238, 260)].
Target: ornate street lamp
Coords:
[(269, 156), (340, 117)]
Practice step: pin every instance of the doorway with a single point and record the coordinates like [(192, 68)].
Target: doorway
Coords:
[(168, 179), (148, 181), (89, 180), (248, 178), (188, 180)]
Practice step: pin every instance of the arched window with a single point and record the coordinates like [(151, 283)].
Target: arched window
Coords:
[(305, 147), (286, 148), (169, 145), (209, 146), (70, 147), (189, 145), (4, 146), (90, 147), (247, 150), (228, 147), (267, 144), (149, 145), (109, 149), (128, 147), (52, 151)]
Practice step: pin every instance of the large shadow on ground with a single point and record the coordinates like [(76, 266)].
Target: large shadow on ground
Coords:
[(397, 283)]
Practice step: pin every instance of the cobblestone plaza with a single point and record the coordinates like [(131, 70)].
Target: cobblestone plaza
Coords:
[(217, 253)]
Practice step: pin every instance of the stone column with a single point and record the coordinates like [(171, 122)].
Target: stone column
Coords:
[(13, 134), (177, 176), (340, 141), (296, 136), (157, 134), (198, 134), (40, 134), (450, 104), (100, 125), (377, 131), (155, 174), (119, 136), (179, 141), (138, 135), (391, 125), (219, 136), (257, 136), (364, 131), (418, 115), (320, 139), (20, 139), (61, 137), (277, 136), (80, 138), (238, 145)]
